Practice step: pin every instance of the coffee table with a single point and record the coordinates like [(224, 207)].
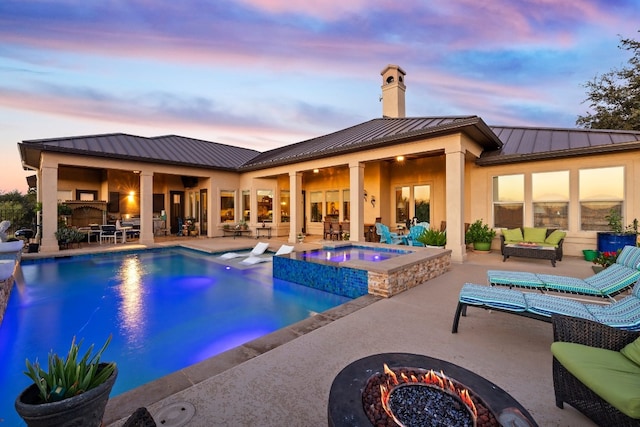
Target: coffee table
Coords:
[(536, 252), (345, 398)]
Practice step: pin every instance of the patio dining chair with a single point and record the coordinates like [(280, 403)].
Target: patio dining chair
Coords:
[(326, 230), (108, 232)]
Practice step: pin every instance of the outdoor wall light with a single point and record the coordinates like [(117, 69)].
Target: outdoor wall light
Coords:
[(365, 195), (400, 158), (373, 201), (316, 170)]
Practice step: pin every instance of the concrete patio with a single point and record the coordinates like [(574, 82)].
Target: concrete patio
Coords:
[(285, 377)]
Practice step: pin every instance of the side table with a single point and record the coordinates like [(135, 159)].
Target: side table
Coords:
[(263, 231)]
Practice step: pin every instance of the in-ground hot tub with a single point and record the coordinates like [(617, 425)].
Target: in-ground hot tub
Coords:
[(355, 270)]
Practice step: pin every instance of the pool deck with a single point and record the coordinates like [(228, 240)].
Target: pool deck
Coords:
[(284, 378)]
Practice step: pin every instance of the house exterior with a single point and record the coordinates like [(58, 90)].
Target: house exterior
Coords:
[(448, 171)]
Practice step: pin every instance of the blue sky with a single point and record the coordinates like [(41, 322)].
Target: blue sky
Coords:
[(266, 73)]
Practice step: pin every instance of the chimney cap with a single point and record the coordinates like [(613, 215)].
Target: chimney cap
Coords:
[(393, 67)]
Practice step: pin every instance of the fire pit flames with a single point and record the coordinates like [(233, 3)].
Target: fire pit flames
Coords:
[(438, 381), (409, 397)]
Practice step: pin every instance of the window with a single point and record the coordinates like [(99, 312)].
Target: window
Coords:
[(193, 208), (600, 190), (86, 195), (422, 202), (333, 202), (402, 204), (346, 205), (265, 205), (508, 201), (285, 206), (246, 205), (227, 206), (550, 196), (316, 206)]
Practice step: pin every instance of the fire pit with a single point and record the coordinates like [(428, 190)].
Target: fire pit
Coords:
[(400, 389)]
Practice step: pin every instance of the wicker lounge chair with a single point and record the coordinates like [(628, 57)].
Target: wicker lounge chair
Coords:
[(609, 282), (623, 314), (569, 389)]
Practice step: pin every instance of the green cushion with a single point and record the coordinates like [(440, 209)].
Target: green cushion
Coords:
[(607, 373), (632, 351), (555, 237), (535, 235), (514, 235)]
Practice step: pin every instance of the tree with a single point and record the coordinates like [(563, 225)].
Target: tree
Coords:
[(614, 97), (18, 208)]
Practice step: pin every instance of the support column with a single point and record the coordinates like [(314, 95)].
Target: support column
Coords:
[(48, 192), (356, 196), (146, 208), (455, 203), (296, 215)]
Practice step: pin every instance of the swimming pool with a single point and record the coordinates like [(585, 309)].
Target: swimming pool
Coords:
[(167, 309)]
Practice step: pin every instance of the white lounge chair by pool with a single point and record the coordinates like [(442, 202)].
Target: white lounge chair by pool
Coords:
[(251, 260), (258, 249)]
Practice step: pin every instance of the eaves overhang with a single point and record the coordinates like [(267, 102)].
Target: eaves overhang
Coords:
[(473, 126), (32, 153), (489, 159)]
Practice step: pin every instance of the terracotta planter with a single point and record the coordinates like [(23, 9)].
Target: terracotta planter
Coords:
[(86, 409)]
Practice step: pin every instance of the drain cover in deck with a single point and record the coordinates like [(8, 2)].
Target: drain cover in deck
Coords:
[(175, 415)]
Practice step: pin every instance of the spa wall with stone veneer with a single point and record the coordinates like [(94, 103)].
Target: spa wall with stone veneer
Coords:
[(357, 277), (392, 282), (5, 292)]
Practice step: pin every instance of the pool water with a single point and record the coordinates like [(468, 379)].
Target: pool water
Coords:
[(349, 253), (166, 309)]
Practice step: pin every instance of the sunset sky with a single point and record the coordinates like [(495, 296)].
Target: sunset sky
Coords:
[(266, 73)]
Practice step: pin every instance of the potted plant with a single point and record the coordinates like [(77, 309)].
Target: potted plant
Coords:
[(604, 260), (433, 237), (480, 235), (300, 237), (72, 389), (69, 235), (618, 237)]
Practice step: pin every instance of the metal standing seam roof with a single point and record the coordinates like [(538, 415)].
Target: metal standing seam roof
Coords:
[(371, 134), (502, 144), (170, 149), (529, 143)]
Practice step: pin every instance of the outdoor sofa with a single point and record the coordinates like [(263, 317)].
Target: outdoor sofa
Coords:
[(545, 237)]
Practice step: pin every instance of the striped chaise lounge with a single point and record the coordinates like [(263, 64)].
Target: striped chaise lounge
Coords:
[(622, 314), (606, 284)]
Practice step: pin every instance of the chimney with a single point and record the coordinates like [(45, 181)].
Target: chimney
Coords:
[(393, 90)]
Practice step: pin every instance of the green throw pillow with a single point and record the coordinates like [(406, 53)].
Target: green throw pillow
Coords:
[(534, 234), (514, 235), (632, 351), (555, 237)]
